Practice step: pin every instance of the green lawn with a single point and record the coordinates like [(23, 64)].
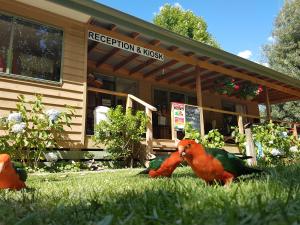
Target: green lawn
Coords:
[(122, 197)]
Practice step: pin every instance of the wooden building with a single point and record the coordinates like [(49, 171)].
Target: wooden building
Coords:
[(84, 54)]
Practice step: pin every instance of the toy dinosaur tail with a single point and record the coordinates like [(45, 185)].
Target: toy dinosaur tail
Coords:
[(168, 166), (250, 170)]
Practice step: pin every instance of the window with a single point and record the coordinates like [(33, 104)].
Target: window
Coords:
[(5, 31), (110, 83), (30, 49), (162, 118)]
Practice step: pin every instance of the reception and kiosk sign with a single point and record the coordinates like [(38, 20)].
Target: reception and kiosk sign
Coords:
[(107, 40)]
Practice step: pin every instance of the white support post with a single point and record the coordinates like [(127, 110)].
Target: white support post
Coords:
[(128, 103), (149, 132), (240, 124), (268, 106), (199, 99), (250, 149)]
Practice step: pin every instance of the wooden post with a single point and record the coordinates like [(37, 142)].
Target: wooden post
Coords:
[(268, 106), (295, 133), (240, 124), (149, 132), (128, 103), (250, 149), (199, 99)]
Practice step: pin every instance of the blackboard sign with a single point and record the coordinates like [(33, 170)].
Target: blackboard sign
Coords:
[(192, 116)]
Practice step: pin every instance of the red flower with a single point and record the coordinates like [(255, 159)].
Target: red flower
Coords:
[(236, 87), (260, 89)]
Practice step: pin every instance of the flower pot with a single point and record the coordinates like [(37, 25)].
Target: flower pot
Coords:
[(249, 97)]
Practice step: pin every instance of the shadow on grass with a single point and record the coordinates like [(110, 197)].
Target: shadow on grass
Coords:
[(182, 199)]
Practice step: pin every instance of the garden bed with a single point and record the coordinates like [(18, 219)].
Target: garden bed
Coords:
[(122, 197)]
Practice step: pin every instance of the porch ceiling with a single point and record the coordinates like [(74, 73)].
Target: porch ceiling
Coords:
[(174, 71)]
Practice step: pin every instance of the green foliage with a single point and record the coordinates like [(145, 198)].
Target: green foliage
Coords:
[(249, 90), (226, 86), (191, 133), (32, 130), (277, 143), (214, 139), (239, 139), (184, 22), (122, 133), (284, 54), (289, 111), (275, 140)]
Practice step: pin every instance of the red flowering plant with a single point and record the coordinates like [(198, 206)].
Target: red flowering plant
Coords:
[(226, 86), (249, 90)]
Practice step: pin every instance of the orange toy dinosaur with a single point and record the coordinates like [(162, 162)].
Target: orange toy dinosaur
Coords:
[(168, 166), (9, 178), (213, 164), (210, 164)]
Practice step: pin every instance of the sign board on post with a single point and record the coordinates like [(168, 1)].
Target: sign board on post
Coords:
[(192, 116), (182, 114), (178, 116)]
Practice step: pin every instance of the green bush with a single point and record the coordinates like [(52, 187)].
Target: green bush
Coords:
[(32, 130), (275, 140), (240, 139), (214, 139), (122, 133)]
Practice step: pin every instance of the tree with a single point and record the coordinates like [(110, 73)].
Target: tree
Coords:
[(284, 54), (184, 22)]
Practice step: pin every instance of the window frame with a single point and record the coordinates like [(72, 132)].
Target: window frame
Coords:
[(10, 52)]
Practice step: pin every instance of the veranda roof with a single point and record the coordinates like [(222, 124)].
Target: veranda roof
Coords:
[(182, 55)]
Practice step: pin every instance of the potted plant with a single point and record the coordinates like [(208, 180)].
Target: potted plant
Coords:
[(249, 91), (226, 86)]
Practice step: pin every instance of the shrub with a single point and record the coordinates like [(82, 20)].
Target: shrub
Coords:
[(275, 140), (32, 130), (122, 133), (214, 139), (240, 139)]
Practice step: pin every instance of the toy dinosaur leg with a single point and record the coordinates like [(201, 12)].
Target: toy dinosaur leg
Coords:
[(227, 178), (168, 166)]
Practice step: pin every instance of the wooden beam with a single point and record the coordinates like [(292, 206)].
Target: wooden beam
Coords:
[(149, 132), (125, 61), (146, 63), (250, 149), (124, 72), (195, 61), (199, 99), (142, 66), (104, 91), (92, 47), (134, 35), (240, 124), (164, 66), (187, 82), (295, 132), (182, 77), (267, 102), (173, 72), (108, 56), (112, 27)]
